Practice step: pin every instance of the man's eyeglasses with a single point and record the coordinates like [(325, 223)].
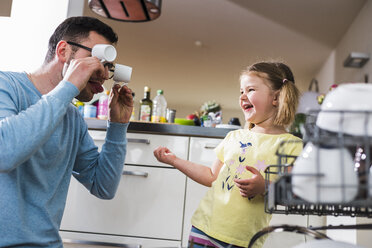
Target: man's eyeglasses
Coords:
[(110, 66)]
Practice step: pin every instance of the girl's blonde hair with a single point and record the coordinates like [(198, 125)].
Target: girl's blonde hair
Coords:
[(280, 77)]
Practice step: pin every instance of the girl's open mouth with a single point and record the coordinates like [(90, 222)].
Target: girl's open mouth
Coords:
[(247, 107)]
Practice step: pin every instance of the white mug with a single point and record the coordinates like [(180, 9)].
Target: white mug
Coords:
[(122, 73), (104, 52)]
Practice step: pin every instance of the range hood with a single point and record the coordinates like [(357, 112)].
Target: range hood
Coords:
[(127, 10)]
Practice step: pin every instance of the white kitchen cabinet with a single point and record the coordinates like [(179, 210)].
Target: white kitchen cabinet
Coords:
[(148, 206), (140, 147), (78, 240), (154, 202), (201, 152)]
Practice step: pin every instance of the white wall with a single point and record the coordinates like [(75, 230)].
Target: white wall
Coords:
[(358, 38), (25, 34), (326, 75)]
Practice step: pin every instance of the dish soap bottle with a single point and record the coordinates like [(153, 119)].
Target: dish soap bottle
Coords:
[(102, 112), (159, 108), (145, 106)]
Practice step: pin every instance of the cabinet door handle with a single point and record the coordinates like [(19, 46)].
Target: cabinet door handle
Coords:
[(210, 146), (135, 173), (142, 141), (98, 243)]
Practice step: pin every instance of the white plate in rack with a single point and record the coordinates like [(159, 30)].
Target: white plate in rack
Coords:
[(337, 181)]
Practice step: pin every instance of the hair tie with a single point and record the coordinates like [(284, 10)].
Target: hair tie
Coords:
[(285, 80)]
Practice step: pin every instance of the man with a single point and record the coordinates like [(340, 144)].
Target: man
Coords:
[(44, 139)]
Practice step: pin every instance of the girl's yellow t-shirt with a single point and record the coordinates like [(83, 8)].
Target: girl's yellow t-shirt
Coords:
[(223, 213)]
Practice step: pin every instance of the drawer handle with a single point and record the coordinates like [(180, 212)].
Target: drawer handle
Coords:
[(210, 146), (142, 141), (87, 242), (135, 173)]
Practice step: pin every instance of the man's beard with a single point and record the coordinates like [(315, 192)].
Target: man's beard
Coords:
[(84, 96)]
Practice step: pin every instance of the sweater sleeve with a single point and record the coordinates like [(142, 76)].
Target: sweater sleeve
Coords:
[(23, 132), (101, 172)]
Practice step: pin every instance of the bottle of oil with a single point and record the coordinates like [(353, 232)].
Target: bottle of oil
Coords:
[(145, 106)]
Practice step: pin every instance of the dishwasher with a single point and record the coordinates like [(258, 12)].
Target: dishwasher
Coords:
[(332, 176)]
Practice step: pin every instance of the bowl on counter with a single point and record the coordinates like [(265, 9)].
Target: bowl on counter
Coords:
[(183, 121)]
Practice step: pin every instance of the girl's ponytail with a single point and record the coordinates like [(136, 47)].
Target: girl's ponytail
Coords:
[(288, 102)]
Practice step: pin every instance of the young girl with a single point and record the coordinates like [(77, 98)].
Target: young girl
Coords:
[(232, 211)]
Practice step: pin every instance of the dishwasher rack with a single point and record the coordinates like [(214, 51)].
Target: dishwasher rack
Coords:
[(310, 231), (280, 187)]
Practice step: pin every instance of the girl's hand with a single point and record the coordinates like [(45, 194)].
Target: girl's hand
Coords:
[(165, 155), (252, 186)]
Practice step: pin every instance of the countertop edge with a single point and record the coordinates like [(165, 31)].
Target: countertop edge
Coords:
[(163, 128)]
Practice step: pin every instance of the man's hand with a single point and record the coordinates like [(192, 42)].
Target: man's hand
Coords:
[(252, 186), (79, 71), (120, 104)]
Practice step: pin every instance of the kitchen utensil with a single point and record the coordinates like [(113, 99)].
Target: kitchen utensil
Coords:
[(341, 110), (171, 115), (324, 175)]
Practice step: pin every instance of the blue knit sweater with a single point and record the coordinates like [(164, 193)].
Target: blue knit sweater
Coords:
[(43, 141)]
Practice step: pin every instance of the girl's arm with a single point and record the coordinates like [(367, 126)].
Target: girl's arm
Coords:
[(199, 173)]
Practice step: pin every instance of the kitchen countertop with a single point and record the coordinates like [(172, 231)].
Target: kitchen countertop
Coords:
[(163, 128)]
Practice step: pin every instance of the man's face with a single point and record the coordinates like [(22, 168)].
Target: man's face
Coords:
[(96, 81)]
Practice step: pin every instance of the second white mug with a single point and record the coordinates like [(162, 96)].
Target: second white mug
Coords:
[(122, 73)]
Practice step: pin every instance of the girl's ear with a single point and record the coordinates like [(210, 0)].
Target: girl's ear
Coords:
[(276, 98), (62, 51)]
